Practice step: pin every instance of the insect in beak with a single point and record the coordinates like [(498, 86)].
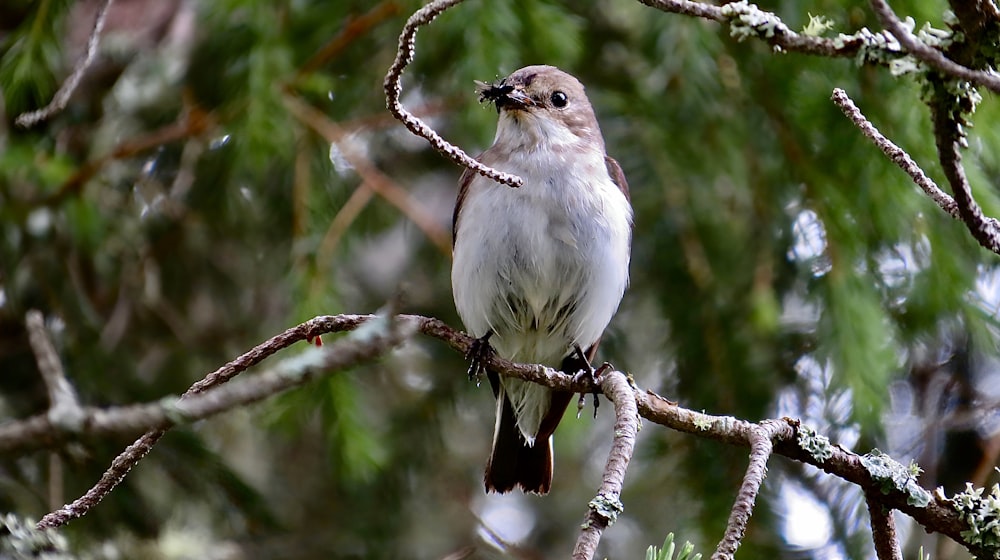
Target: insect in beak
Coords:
[(503, 95)]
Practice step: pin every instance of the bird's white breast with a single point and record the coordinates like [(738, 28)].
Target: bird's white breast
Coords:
[(543, 266)]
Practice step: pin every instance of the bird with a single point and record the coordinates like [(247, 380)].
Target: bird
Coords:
[(539, 271)]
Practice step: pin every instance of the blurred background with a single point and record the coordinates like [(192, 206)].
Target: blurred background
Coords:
[(227, 169)]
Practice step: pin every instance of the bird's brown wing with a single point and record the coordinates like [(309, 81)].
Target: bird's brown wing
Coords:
[(616, 174), (463, 191)]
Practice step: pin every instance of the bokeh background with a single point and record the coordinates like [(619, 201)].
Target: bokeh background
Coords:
[(227, 169)]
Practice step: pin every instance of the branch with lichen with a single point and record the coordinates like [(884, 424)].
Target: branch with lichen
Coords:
[(747, 21), (893, 485), (930, 54), (949, 137)]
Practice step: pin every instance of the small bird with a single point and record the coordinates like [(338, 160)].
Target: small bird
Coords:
[(539, 270)]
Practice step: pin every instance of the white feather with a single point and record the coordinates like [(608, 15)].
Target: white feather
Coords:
[(559, 242)]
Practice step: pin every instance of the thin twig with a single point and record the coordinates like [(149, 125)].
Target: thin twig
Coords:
[(606, 506), (895, 154), (761, 447), (353, 28), (193, 122), (64, 407), (13, 437), (928, 54), (883, 530), (393, 90), (339, 225), (62, 96), (372, 177)]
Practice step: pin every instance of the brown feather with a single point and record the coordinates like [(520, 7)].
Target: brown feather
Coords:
[(513, 462), (617, 175)]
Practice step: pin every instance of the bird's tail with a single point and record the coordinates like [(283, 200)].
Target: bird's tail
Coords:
[(514, 462)]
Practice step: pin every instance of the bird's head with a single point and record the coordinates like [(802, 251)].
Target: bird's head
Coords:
[(542, 105)]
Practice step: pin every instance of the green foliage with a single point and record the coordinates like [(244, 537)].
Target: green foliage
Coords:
[(32, 58), (666, 552)]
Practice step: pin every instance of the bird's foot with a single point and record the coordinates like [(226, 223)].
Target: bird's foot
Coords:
[(479, 353), (588, 373)]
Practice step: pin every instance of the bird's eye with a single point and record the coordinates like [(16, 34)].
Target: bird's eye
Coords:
[(559, 99)]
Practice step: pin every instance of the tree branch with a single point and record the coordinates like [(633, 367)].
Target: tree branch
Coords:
[(883, 530), (379, 335), (761, 447), (606, 506), (948, 137), (393, 90), (938, 514), (371, 176), (929, 55), (895, 154), (62, 96), (64, 407), (746, 19)]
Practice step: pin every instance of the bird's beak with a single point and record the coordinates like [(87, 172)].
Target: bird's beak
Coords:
[(516, 99), (504, 96)]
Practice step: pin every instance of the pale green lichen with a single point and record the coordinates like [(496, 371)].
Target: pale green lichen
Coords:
[(876, 48), (892, 475), (607, 507), (702, 422), (982, 515), (746, 20), (817, 26), (956, 96), (816, 445)]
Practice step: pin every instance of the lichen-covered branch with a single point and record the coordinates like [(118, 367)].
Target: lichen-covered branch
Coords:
[(604, 509), (929, 55), (393, 90), (892, 485), (747, 20)]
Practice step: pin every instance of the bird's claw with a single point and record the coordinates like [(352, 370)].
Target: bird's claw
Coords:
[(479, 353), (593, 376)]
